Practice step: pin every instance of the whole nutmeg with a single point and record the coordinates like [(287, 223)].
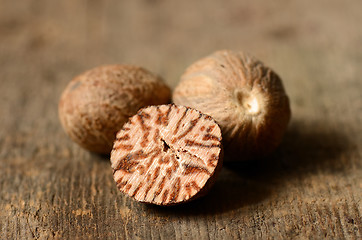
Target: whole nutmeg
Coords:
[(245, 97), (96, 104)]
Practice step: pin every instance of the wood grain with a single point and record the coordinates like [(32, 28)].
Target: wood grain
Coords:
[(310, 188)]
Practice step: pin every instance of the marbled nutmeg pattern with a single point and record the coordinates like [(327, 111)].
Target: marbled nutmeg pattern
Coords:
[(167, 155)]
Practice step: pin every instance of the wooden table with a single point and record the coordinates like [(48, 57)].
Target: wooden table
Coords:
[(311, 187)]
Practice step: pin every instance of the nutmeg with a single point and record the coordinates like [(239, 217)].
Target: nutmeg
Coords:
[(167, 155), (96, 104), (245, 97)]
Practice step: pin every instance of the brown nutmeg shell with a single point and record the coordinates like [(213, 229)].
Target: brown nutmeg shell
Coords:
[(96, 104), (245, 97)]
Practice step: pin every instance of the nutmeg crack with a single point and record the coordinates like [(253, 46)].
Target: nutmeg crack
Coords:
[(166, 147)]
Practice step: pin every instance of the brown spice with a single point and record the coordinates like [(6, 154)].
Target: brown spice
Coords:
[(246, 98), (161, 167), (96, 104)]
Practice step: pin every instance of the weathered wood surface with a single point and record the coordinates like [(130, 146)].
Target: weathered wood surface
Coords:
[(310, 188)]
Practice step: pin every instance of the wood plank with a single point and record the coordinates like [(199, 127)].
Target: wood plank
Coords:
[(311, 187)]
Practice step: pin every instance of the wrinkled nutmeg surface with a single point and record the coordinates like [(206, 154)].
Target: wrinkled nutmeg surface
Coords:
[(96, 104), (167, 155), (246, 98)]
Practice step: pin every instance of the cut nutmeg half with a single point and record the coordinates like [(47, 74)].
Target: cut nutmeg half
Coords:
[(167, 155), (245, 97)]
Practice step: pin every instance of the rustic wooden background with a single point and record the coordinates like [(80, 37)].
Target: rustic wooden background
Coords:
[(310, 188)]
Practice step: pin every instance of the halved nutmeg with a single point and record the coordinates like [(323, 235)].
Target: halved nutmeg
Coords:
[(167, 155)]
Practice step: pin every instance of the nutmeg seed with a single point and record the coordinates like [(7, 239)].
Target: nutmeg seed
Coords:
[(246, 98), (96, 104), (167, 155)]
